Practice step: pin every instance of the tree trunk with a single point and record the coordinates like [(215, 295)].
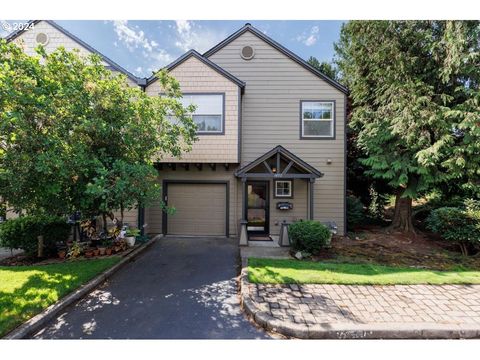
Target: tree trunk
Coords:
[(105, 228), (402, 219), (121, 217)]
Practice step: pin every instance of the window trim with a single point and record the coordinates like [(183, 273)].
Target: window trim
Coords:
[(275, 196), (318, 137), (223, 112)]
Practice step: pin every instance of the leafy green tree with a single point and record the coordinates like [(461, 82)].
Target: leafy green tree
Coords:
[(75, 136), (415, 103), (324, 67)]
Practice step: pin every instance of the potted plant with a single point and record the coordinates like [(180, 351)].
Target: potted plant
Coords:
[(109, 249), (130, 236), (102, 249), (96, 252), (89, 253), (62, 253)]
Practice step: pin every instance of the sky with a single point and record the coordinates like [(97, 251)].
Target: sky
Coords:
[(143, 47)]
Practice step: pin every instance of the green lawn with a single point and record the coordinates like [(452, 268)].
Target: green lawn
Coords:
[(273, 271), (27, 290)]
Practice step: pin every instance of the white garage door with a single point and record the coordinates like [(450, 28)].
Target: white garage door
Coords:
[(200, 209)]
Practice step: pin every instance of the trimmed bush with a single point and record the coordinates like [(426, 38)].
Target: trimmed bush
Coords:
[(22, 233), (456, 225), (355, 212), (310, 236)]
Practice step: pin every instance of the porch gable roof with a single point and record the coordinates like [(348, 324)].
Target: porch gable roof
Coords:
[(307, 171)]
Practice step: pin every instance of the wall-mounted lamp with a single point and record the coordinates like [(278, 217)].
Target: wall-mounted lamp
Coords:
[(329, 161)]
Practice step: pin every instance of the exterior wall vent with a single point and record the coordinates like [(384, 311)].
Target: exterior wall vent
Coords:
[(247, 52), (41, 39)]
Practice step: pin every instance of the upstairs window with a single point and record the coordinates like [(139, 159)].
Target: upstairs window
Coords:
[(317, 119), (209, 112)]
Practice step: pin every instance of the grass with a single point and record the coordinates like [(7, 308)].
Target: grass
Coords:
[(273, 271), (27, 290)]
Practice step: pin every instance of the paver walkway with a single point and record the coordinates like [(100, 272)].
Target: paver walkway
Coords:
[(410, 306)]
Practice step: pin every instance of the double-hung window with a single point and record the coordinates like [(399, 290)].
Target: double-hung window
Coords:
[(317, 119), (209, 112)]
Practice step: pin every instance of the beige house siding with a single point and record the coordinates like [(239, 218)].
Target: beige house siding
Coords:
[(56, 39), (153, 214), (271, 116), (196, 77)]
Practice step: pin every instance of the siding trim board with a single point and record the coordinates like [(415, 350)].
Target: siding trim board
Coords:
[(280, 48), (334, 123), (204, 60), (165, 184)]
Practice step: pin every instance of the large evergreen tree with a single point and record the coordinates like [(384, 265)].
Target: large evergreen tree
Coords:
[(416, 103)]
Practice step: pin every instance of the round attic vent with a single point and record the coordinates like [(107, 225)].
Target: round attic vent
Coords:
[(247, 52), (41, 39)]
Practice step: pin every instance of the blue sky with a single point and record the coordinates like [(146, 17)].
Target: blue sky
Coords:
[(145, 46)]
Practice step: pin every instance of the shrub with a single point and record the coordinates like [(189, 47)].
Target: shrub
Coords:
[(310, 236), (355, 212), (456, 225), (22, 233)]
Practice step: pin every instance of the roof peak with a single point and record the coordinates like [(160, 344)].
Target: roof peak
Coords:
[(279, 47)]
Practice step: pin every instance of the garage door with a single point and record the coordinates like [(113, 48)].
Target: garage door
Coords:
[(201, 209)]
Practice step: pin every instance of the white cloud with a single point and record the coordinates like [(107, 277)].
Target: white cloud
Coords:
[(309, 38), (190, 35), (135, 39)]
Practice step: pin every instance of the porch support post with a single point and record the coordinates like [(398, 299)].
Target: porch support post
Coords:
[(310, 193), (243, 241), (284, 239)]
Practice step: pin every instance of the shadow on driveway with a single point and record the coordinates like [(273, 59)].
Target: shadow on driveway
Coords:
[(181, 288)]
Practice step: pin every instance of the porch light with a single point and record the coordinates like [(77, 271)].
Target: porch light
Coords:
[(274, 169)]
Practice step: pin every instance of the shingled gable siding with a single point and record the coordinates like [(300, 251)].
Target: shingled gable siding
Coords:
[(270, 117), (196, 77), (56, 39)]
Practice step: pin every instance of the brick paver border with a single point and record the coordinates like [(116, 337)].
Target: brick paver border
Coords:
[(348, 330)]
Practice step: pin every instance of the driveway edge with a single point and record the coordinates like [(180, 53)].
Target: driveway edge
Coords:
[(349, 330), (38, 321)]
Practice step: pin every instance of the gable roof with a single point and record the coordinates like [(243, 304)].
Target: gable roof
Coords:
[(110, 62), (204, 60), (310, 171), (282, 49)]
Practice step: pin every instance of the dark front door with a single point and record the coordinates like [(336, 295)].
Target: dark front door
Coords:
[(257, 207)]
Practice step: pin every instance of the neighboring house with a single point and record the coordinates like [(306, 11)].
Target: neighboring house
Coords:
[(272, 140)]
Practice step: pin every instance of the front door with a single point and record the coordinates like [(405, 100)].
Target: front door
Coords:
[(257, 207)]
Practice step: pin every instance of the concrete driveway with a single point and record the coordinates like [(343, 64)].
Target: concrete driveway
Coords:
[(181, 288)]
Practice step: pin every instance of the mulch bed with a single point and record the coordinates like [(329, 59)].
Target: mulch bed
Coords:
[(24, 260), (380, 246)]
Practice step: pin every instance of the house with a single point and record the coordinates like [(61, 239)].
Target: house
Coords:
[(272, 139)]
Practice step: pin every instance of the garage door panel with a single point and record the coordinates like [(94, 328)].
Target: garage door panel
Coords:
[(200, 209)]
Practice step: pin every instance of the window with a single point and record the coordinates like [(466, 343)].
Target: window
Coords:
[(317, 119), (283, 189), (208, 114)]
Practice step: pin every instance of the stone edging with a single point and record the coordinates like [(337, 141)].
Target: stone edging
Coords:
[(350, 330), (38, 321)]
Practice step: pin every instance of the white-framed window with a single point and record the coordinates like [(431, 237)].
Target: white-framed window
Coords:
[(283, 189), (208, 114), (317, 119)]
